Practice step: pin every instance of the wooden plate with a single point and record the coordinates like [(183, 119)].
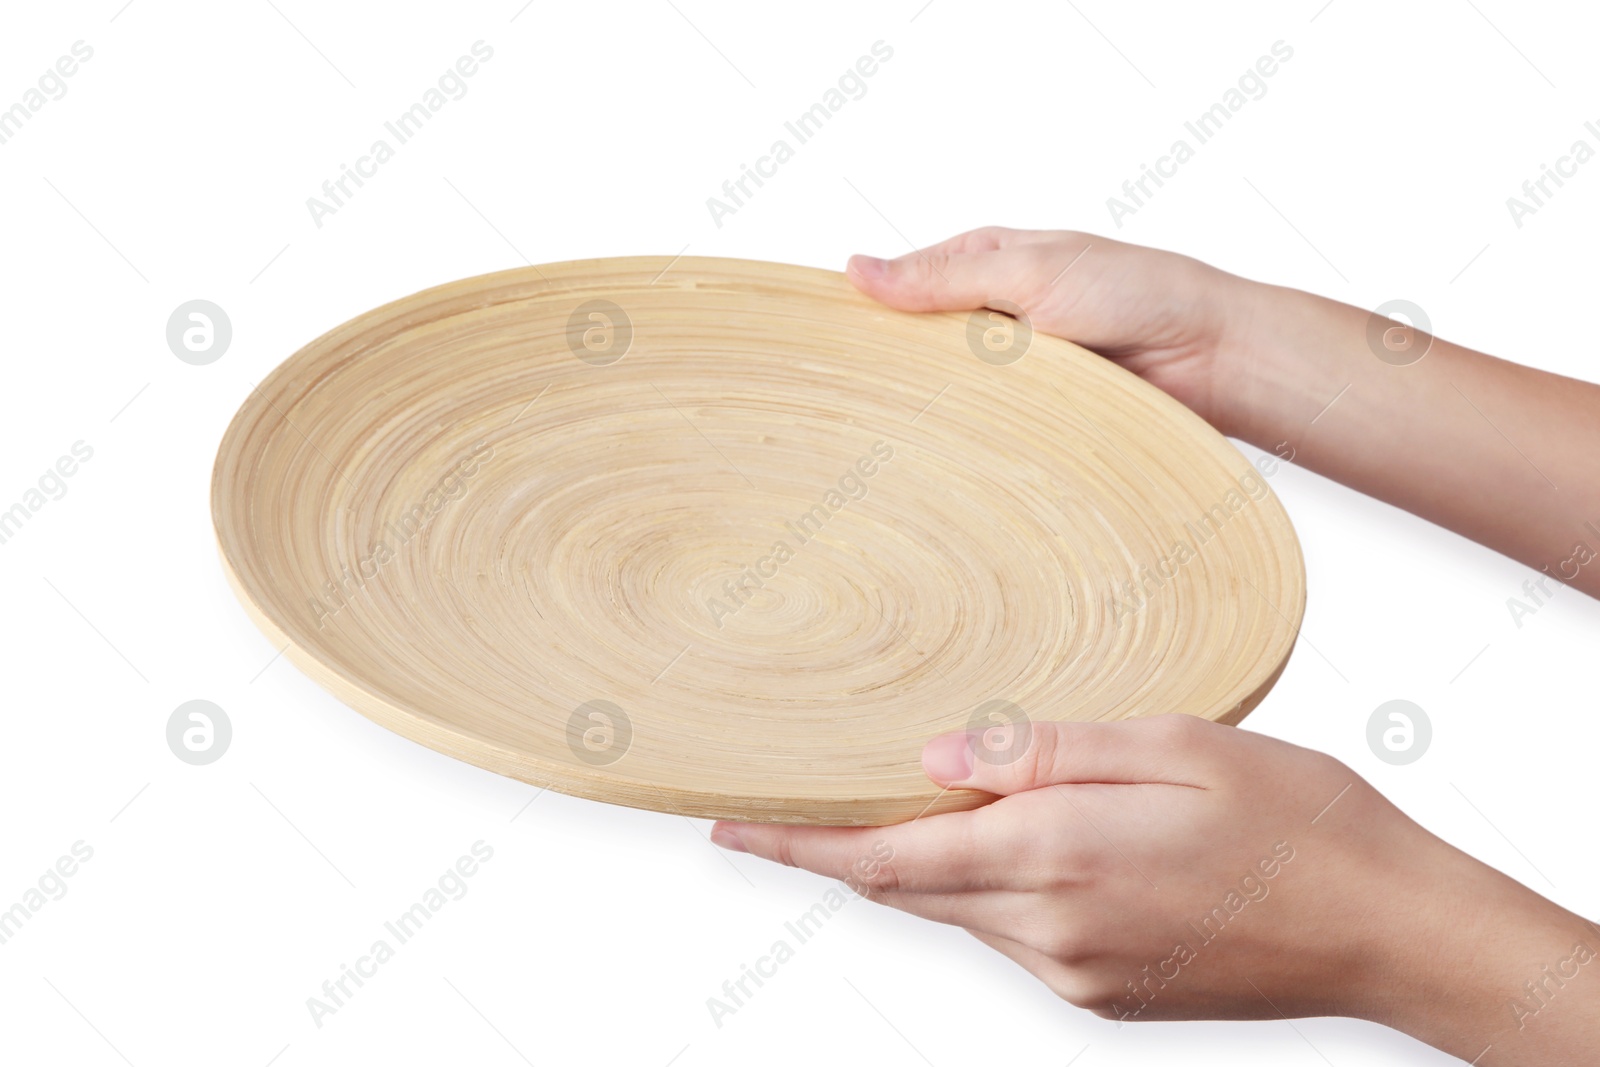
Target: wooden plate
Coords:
[(728, 539)]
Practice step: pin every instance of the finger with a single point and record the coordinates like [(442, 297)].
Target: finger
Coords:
[(942, 280), (1012, 758), (937, 854), (1042, 967), (987, 239), (983, 239), (976, 269), (994, 912)]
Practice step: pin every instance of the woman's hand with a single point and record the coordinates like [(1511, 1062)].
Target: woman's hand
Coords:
[(1171, 868), (1170, 319), (1473, 443)]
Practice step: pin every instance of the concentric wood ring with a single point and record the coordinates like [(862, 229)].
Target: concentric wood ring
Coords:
[(728, 539)]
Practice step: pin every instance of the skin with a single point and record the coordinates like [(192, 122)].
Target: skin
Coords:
[(1111, 845)]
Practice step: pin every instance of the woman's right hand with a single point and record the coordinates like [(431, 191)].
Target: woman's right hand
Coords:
[(1476, 444), (1172, 320)]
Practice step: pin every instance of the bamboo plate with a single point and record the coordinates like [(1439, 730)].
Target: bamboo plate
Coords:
[(728, 539)]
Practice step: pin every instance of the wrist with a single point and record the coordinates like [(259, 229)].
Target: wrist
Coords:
[(1284, 355), (1474, 960)]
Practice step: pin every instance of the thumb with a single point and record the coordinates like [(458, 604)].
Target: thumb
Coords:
[(940, 280), (1013, 758)]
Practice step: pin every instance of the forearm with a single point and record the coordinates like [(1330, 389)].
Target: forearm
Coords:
[(1503, 454), (1487, 970)]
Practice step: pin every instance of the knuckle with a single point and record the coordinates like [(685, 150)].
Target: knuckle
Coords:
[(782, 850), (933, 266), (1041, 750), (1032, 268), (1061, 866), (1070, 946), (920, 266), (1089, 992), (1060, 946), (1064, 941), (1178, 730), (878, 879), (1104, 1005)]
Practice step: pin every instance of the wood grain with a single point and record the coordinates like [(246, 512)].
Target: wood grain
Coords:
[(501, 526)]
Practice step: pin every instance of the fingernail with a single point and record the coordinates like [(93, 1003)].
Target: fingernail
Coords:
[(727, 839), (869, 266), (948, 758)]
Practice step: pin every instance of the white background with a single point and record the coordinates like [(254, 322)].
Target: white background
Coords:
[(177, 166)]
